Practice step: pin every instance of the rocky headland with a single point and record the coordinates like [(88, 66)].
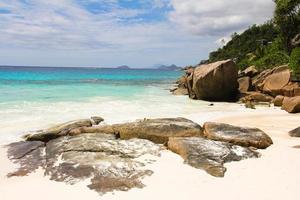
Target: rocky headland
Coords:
[(221, 81)]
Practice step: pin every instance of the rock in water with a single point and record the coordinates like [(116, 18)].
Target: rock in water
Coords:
[(209, 155), (237, 135), (108, 162), (155, 130), (62, 129), (216, 81), (295, 132), (291, 105)]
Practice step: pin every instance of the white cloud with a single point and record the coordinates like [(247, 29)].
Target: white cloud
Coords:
[(64, 32), (220, 17)]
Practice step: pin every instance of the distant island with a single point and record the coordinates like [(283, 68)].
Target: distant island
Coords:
[(168, 67), (123, 67)]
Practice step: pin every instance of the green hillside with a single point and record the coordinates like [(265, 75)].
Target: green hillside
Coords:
[(267, 45)]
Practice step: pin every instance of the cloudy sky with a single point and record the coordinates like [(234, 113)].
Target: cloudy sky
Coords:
[(116, 32)]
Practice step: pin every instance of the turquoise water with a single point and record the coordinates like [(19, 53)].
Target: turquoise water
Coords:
[(45, 84)]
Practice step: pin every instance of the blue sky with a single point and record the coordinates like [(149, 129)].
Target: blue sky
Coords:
[(117, 32)]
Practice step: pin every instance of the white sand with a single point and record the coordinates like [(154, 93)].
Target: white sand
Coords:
[(273, 176)]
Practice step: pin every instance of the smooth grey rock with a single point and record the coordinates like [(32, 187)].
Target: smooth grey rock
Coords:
[(155, 130), (209, 155), (61, 129), (29, 155), (110, 163), (243, 136)]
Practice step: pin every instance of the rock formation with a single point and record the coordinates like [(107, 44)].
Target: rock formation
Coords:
[(242, 136), (216, 81), (112, 156), (62, 129), (209, 155)]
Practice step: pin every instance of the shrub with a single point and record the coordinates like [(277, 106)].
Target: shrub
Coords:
[(295, 62), (272, 59)]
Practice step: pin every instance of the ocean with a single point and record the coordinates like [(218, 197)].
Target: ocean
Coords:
[(37, 97)]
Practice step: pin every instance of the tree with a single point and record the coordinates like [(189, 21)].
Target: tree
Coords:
[(295, 62), (287, 18)]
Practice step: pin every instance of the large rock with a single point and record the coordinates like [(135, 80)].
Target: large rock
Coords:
[(237, 135), (155, 130), (295, 132), (292, 89), (209, 155), (259, 80), (189, 81), (61, 129), (244, 84), (274, 83), (216, 81), (278, 100), (109, 163), (291, 104)]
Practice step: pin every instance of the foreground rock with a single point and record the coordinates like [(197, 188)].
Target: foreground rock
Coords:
[(216, 81), (109, 163), (291, 104), (295, 132), (209, 155), (62, 129), (155, 130), (29, 155), (247, 137)]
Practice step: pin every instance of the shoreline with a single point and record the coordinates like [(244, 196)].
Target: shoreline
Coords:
[(256, 175)]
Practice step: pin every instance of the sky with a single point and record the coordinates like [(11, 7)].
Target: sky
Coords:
[(107, 33)]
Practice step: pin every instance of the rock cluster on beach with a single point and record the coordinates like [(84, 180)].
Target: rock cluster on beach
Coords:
[(113, 157), (220, 81)]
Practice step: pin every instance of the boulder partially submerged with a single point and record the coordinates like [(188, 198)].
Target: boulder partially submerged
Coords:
[(209, 155), (243, 136)]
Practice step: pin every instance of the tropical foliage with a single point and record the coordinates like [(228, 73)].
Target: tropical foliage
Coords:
[(266, 45)]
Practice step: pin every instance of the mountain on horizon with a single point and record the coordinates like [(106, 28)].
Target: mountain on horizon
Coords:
[(168, 67), (123, 67)]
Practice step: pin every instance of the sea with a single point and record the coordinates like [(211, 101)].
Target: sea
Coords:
[(33, 98)]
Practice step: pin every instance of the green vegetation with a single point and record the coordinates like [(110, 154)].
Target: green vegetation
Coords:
[(267, 45), (295, 61)]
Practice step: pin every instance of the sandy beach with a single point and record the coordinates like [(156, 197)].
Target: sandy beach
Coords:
[(273, 176)]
